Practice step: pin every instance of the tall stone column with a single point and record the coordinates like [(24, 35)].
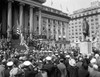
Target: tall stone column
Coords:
[(40, 18), (21, 16), (31, 21), (52, 26), (56, 30), (67, 32), (9, 26), (61, 30), (47, 28)]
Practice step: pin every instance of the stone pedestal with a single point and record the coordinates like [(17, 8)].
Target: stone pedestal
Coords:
[(85, 47)]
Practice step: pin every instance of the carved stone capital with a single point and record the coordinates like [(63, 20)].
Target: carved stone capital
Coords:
[(22, 4), (10, 0), (32, 6)]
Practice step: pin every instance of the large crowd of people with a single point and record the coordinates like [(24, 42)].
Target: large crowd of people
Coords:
[(47, 63)]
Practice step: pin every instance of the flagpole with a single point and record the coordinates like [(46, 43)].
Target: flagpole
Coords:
[(51, 3)]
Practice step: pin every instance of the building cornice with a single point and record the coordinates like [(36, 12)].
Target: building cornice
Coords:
[(85, 10), (40, 1), (54, 12), (30, 2), (85, 16)]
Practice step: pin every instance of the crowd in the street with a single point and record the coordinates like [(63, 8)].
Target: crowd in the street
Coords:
[(47, 63)]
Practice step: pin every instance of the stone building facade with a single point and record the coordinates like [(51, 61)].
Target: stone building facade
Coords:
[(33, 18), (92, 15)]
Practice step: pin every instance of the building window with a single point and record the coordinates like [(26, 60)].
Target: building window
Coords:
[(79, 25), (92, 31), (92, 27), (64, 39), (76, 33), (91, 20), (72, 33), (92, 23), (72, 23), (79, 29), (96, 23), (96, 19), (59, 38)]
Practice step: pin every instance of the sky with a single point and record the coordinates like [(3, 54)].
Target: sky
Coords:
[(68, 6)]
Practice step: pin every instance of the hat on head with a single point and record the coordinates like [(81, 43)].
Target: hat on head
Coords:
[(67, 56), (72, 62), (95, 66), (27, 63), (96, 55), (48, 58), (93, 61), (20, 58), (56, 54), (10, 63)]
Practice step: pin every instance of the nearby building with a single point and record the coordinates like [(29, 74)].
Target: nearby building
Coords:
[(92, 15), (34, 19)]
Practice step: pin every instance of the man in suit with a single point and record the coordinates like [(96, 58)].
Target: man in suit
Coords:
[(50, 68), (2, 69), (62, 68), (95, 72)]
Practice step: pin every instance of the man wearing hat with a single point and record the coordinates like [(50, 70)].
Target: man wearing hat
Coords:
[(72, 69), (62, 68), (8, 69), (95, 72), (49, 67), (2, 69), (29, 69)]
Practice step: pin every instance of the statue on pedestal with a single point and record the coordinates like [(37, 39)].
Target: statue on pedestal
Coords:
[(85, 27)]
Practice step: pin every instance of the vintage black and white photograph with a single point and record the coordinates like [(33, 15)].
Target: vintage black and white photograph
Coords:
[(49, 38)]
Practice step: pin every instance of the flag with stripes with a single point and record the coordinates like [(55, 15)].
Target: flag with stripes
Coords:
[(18, 31)]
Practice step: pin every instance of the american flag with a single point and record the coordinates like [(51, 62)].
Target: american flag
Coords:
[(18, 31)]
